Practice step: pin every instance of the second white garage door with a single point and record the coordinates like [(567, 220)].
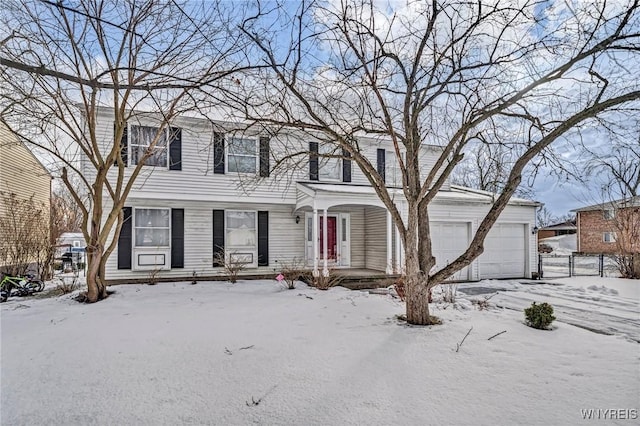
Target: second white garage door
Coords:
[(450, 240), (504, 252)]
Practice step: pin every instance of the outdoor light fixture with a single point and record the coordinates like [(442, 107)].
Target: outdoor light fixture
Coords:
[(297, 219), (534, 231)]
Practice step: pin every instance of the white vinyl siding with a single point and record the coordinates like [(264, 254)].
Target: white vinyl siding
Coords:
[(375, 238)]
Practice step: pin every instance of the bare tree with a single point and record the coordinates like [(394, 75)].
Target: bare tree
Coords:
[(62, 62), (443, 74), (616, 166), (486, 167), (26, 240), (66, 214)]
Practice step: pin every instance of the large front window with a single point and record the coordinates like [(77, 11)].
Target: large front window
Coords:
[(241, 236), (151, 141), (152, 227), (242, 155)]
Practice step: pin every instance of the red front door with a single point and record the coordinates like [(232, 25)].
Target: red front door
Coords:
[(332, 238)]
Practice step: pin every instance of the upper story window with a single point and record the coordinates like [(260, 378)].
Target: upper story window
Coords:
[(609, 214), (330, 168), (141, 138), (392, 173), (609, 237), (242, 155), (152, 227)]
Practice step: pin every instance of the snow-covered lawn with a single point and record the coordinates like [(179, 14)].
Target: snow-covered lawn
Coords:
[(253, 353)]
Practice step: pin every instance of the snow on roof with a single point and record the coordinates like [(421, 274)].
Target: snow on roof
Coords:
[(563, 226)]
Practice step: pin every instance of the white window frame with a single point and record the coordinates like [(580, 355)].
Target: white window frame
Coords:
[(227, 154), (609, 237), (135, 227), (608, 214), (131, 144), (240, 251), (393, 167), (324, 177)]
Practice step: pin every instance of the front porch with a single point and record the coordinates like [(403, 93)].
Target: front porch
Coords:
[(348, 229), (361, 278)]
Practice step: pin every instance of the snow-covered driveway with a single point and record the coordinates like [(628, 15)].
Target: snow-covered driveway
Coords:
[(603, 305)]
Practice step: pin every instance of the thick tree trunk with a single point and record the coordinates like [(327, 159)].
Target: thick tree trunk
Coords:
[(417, 294), (96, 288), (416, 281)]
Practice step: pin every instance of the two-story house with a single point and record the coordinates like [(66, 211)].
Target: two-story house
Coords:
[(611, 227), (211, 189)]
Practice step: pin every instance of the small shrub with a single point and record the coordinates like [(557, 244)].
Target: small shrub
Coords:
[(539, 316), (231, 267), (322, 282), (292, 272), (399, 288), (449, 292), (153, 277)]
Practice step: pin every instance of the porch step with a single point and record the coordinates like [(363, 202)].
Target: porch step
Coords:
[(367, 282)]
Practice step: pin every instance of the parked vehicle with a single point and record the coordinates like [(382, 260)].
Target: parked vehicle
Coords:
[(19, 286)]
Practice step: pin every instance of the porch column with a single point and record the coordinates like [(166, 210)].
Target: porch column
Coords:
[(389, 244), (399, 257), (315, 243), (325, 251)]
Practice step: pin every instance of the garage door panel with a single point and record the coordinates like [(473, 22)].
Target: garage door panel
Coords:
[(450, 240), (504, 252)]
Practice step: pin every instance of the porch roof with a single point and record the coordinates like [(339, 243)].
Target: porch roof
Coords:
[(326, 195)]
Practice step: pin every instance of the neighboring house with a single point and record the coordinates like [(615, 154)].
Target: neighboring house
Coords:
[(209, 190), (70, 242), (22, 174), (610, 227), (563, 228)]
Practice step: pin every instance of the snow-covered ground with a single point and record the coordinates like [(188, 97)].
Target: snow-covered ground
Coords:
[(562, 244), (254, 353)]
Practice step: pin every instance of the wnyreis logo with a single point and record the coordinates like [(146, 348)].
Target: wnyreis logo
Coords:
[(609, 413)]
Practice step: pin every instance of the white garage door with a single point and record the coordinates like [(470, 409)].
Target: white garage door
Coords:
[(504, 252), (450, 240)]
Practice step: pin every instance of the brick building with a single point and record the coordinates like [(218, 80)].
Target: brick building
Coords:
[(563, 228), (611, 227)]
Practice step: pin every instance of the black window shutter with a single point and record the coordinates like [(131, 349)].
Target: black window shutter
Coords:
[(218, 153), (313, 160), (263, 238), (175, 149), (125, 240), (381, 163), (218, 236), (177, 238), (123, 143), (264, 156), (346, 166)]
